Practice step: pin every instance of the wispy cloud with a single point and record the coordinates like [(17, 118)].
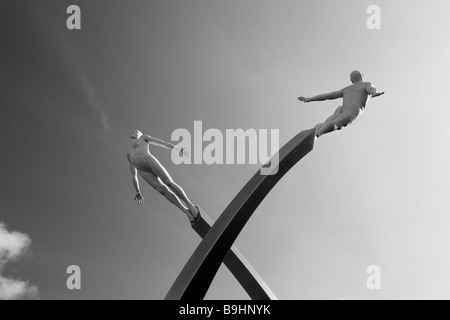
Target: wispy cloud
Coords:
[(88, 90), (52, 31), (13, 245), (93, 101)]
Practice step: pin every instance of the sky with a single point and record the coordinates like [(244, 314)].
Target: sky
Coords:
[(374, 193)]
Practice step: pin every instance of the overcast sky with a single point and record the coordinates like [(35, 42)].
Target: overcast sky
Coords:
[(375, 193)]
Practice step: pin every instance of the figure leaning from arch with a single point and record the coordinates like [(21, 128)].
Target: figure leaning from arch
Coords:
[(355, 98), (151, 170)]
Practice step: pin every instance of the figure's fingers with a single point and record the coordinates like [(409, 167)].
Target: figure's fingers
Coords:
[(303, 99), (378, 94)]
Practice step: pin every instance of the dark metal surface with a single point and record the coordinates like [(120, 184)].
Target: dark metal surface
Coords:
[(235, 261), (200, 270)]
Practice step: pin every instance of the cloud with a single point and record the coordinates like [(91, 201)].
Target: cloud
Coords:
[(93, 102), (13, 245), (88, 90), (47, 25)]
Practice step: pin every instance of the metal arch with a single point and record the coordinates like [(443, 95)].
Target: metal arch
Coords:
[(200, 270), (241, 269)]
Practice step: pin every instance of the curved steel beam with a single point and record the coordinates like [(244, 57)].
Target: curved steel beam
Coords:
[(235, 261), (200, 270)]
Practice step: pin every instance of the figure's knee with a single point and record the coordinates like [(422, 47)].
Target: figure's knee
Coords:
[(342, 123), (162, 189), (329, 127), (339, 125), (339, 111), (169, 182)]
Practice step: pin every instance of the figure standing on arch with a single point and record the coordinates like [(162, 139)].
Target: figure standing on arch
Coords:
[(152, 171), (355, 98)]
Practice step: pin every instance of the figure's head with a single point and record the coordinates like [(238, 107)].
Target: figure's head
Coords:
[(356, 76), (136, 134)]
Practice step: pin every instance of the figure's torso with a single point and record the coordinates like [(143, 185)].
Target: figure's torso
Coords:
[(355, 96), (139, 153)]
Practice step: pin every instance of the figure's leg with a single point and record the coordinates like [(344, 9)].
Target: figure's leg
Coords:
[(162, 173), (339, 122), (329, 119), (159, 186)]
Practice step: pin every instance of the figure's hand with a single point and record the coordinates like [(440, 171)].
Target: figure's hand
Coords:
[(303, 99), (378, 94), (184, 152), (139, 198)]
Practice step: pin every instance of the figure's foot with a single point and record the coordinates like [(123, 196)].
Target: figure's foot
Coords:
[(194, 210), (194, 222), (196, 216)]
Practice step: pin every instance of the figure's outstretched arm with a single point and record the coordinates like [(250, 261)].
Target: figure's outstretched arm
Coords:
[(166, 145), (139, 196), (373, 91), (158, 142), (326, 96)]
